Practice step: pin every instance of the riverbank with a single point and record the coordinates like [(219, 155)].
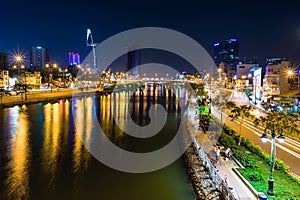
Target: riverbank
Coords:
[(44, 97), (206, 182)]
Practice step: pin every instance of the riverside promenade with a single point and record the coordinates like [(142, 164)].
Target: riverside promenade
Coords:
[(224, 168)]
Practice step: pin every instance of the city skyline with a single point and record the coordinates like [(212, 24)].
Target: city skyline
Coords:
[(264, 29)]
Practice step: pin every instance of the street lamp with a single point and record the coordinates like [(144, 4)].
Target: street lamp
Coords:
[(19, 60), (264, 139), (25, 84), (211, 79), (63, 75), (291, 72), (219, 71), (50, 67)]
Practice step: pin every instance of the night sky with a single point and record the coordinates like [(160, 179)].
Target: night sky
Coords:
[(264, 29)]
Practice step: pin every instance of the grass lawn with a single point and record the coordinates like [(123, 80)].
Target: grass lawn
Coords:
[(284, 186)]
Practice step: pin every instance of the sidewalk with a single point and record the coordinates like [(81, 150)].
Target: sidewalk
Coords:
[(239, 189)]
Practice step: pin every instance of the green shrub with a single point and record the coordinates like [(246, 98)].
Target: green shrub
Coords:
[(256, 150), (251, 163), (255, 176), (245, 159), (226, 140), (232, 141), (226, 129), (279, 165)]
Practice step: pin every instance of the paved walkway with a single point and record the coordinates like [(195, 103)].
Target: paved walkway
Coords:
[(239, 189)]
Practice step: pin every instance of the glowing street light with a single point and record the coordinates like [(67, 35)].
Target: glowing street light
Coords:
[(264, 139), (18, 58), (290, 72), (51, 67), (220, 71)]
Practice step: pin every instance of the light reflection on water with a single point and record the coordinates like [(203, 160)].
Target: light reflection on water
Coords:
[(18, 181), (51, 151), (43, 158)]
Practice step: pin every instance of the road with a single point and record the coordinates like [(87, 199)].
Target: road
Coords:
[(240, 99), (289, 151)]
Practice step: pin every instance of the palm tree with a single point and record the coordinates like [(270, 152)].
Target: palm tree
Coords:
[(239, 113)]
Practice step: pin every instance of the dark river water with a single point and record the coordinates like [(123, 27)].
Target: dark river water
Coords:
[(42, 155)]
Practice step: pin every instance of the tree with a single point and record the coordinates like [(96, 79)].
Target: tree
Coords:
[(239, 113), (204, 120), (278, 123), (204, 116), (220, 102), (201, 93)]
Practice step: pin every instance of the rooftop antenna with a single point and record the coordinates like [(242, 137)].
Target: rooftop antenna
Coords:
[(90, 43)]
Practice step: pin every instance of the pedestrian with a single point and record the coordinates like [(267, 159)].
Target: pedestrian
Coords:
[(225, 181), (218, 154), (227, 153)]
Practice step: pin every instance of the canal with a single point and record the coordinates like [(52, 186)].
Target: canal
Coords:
[(42, 155)]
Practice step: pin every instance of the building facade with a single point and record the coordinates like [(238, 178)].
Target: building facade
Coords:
[(4, 79), (243, 75), (275, 82), (32, 80), (39, 57), (244, 69)]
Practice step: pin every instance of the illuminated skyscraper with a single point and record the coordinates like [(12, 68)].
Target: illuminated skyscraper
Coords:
[(74, 59), (39, 57), (227, 52)]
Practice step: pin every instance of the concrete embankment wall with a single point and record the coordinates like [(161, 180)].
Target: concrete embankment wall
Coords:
[(206, 182), (50, 97)]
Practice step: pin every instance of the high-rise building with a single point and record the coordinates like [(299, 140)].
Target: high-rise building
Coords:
[(226, 53), (74, 58), (39, 57), (133, 59), (3, 61)]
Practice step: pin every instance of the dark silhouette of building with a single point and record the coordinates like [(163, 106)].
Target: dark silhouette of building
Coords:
[(227, 53), (133, 59), (3, 61), (39, 57)]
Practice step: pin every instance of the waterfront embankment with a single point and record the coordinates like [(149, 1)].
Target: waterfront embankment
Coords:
[(43, 96), (205, 179)]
